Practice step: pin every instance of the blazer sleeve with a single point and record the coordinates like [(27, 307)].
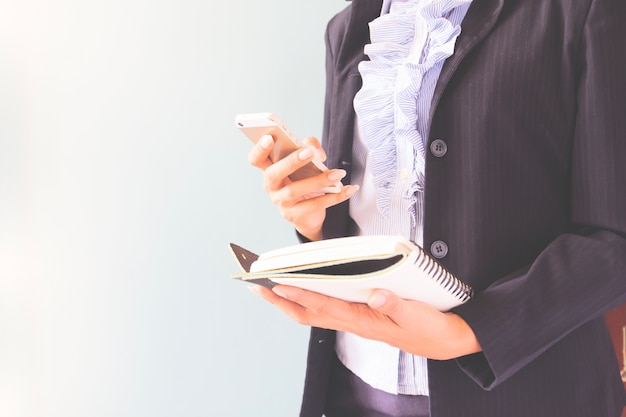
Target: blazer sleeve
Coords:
[(578, 276)]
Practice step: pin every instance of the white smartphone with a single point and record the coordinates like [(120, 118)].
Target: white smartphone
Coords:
[(256, 125)]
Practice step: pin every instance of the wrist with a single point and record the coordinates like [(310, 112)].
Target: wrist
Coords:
[(463, 340)]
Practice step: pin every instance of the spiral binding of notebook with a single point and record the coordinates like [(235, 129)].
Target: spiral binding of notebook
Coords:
[(443, 277)]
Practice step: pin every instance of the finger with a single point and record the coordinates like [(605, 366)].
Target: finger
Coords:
[(386, 302), (310, 187), (295, 311), (301, 210), (319, 151), (323, 308), (276, 173), (273, 297), (311, 300), (265, 293), (312, 141), (260, 152), (327, 200)]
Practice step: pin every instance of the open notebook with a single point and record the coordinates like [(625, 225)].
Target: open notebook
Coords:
[(351, 267)]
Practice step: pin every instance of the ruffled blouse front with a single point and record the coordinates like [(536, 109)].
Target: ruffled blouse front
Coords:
[(406, 43)]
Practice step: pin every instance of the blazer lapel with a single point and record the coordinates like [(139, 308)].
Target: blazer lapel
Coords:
[(347, 81), (357, 34), (339, 119), (479, 20)]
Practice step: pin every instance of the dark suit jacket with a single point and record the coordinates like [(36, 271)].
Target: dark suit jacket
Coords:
[(530, 199)]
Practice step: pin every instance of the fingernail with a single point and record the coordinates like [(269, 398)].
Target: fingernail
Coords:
[(351, 190), (336, 175), (320, 154), (305, 153), (255, 289), (279, 292), (377, 300), (266, 141)]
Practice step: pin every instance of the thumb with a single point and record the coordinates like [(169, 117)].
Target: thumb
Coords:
[(385, 302)]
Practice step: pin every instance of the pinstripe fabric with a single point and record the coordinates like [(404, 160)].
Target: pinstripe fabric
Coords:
[(530, 199)]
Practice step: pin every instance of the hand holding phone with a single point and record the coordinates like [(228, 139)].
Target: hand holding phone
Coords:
[(257, 125)]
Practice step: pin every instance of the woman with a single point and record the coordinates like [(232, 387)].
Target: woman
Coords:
[(492, 133)]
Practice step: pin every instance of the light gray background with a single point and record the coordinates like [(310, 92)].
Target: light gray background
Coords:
[(122, 181)]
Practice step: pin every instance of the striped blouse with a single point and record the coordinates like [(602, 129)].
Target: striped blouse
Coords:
[(410, 41)]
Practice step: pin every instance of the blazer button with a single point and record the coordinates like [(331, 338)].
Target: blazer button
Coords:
[(438, 148), (439, 249)]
